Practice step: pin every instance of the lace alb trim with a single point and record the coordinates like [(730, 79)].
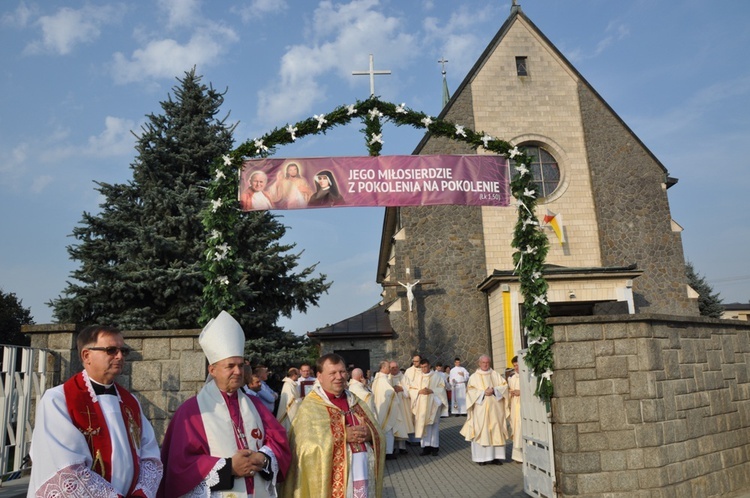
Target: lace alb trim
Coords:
[(203, 489), (76, 481), (150, 476)]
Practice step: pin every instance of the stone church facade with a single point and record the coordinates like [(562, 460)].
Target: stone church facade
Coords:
[(622, 254)]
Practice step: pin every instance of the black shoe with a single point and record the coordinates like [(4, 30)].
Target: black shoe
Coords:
[(390, 456), (426, 451), (435, 451), (403, 451), (483, 463), (497, 462)]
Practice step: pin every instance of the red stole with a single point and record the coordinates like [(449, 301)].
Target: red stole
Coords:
[(88, 417), (353, 415)]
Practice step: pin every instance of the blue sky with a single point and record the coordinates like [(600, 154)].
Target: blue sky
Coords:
[(77, 77)]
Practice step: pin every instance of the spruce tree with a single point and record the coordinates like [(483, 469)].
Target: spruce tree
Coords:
[(141, 255), (12, 316), (709, 303)]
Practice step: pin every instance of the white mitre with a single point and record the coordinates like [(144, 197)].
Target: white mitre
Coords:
[(222, 338)]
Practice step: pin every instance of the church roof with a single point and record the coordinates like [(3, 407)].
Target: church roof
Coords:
[(373, 323), (515, 14)]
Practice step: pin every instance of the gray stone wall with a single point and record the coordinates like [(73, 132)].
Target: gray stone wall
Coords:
[(165, 368), (651, 405), (634, 220)]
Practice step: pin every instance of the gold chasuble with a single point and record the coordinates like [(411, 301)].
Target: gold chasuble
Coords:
[(321, 457), (485, 421)]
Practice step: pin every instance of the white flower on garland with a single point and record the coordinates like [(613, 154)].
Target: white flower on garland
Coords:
[(227, 160), (520, 203), (460, 130), (219, 175), (485, 140), (539, 300), (530, 250), (215, 204), (223, 280), (547, 375), (376, 138), (350, 110), (222, 250), (292, 130), (529, 221), (536, 275), (540, 341), (259, 145), (215, 234), (401, 109), (427, 121), (321, 118), (529, 192), (513, 152), (522, 169), (375, 113)]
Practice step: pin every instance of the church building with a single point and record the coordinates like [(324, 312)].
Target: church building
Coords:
[(614, 248)]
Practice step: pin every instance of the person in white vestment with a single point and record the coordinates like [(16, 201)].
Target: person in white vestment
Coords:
[(459, 376), (388, 409), (514, 387), (401, 387), (289, 399), (90, 437), (358, 387), (412, 376), (486, 425), (439, 370), (427, 399)]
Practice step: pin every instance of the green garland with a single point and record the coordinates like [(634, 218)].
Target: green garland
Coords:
[(224, 275)]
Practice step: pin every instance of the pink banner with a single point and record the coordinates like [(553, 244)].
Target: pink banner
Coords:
[(373, 181)]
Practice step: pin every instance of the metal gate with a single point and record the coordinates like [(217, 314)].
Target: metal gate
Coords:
[(536, 428), (23, 377)]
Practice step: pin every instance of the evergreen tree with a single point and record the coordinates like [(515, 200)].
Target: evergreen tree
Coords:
[(141, 255), (709, 303), (12, 316)]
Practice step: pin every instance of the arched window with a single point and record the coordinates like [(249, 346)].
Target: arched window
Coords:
[(544, 167)]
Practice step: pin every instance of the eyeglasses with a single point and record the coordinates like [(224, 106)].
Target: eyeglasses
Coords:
[(112, 350)]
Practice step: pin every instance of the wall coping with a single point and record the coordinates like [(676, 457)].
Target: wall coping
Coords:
[(649, 318)]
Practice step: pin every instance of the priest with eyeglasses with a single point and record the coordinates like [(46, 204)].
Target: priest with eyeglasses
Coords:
[(90, 436)]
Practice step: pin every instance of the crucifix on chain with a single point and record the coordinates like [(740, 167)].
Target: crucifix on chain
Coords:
[(372, 74)]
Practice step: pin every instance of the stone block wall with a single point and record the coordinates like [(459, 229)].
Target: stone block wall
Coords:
[(651, 405), (165, 368)]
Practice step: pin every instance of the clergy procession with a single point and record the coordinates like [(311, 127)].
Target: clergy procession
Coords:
[(328, 432)]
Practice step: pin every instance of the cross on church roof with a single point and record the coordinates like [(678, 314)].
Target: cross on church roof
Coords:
[(372, 72), (442, 62)]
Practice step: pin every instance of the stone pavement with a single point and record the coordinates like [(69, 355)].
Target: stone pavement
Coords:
[(451, 473)]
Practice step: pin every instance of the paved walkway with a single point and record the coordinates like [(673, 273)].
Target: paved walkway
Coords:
[(451, 473)]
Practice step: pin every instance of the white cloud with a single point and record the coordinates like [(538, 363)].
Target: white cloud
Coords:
[(457, 40), (342, 36), (167, 58), (65, 29), (40, 183), (19, 18), (13, 164), (180, 12), (260, 8), (52, 151)]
